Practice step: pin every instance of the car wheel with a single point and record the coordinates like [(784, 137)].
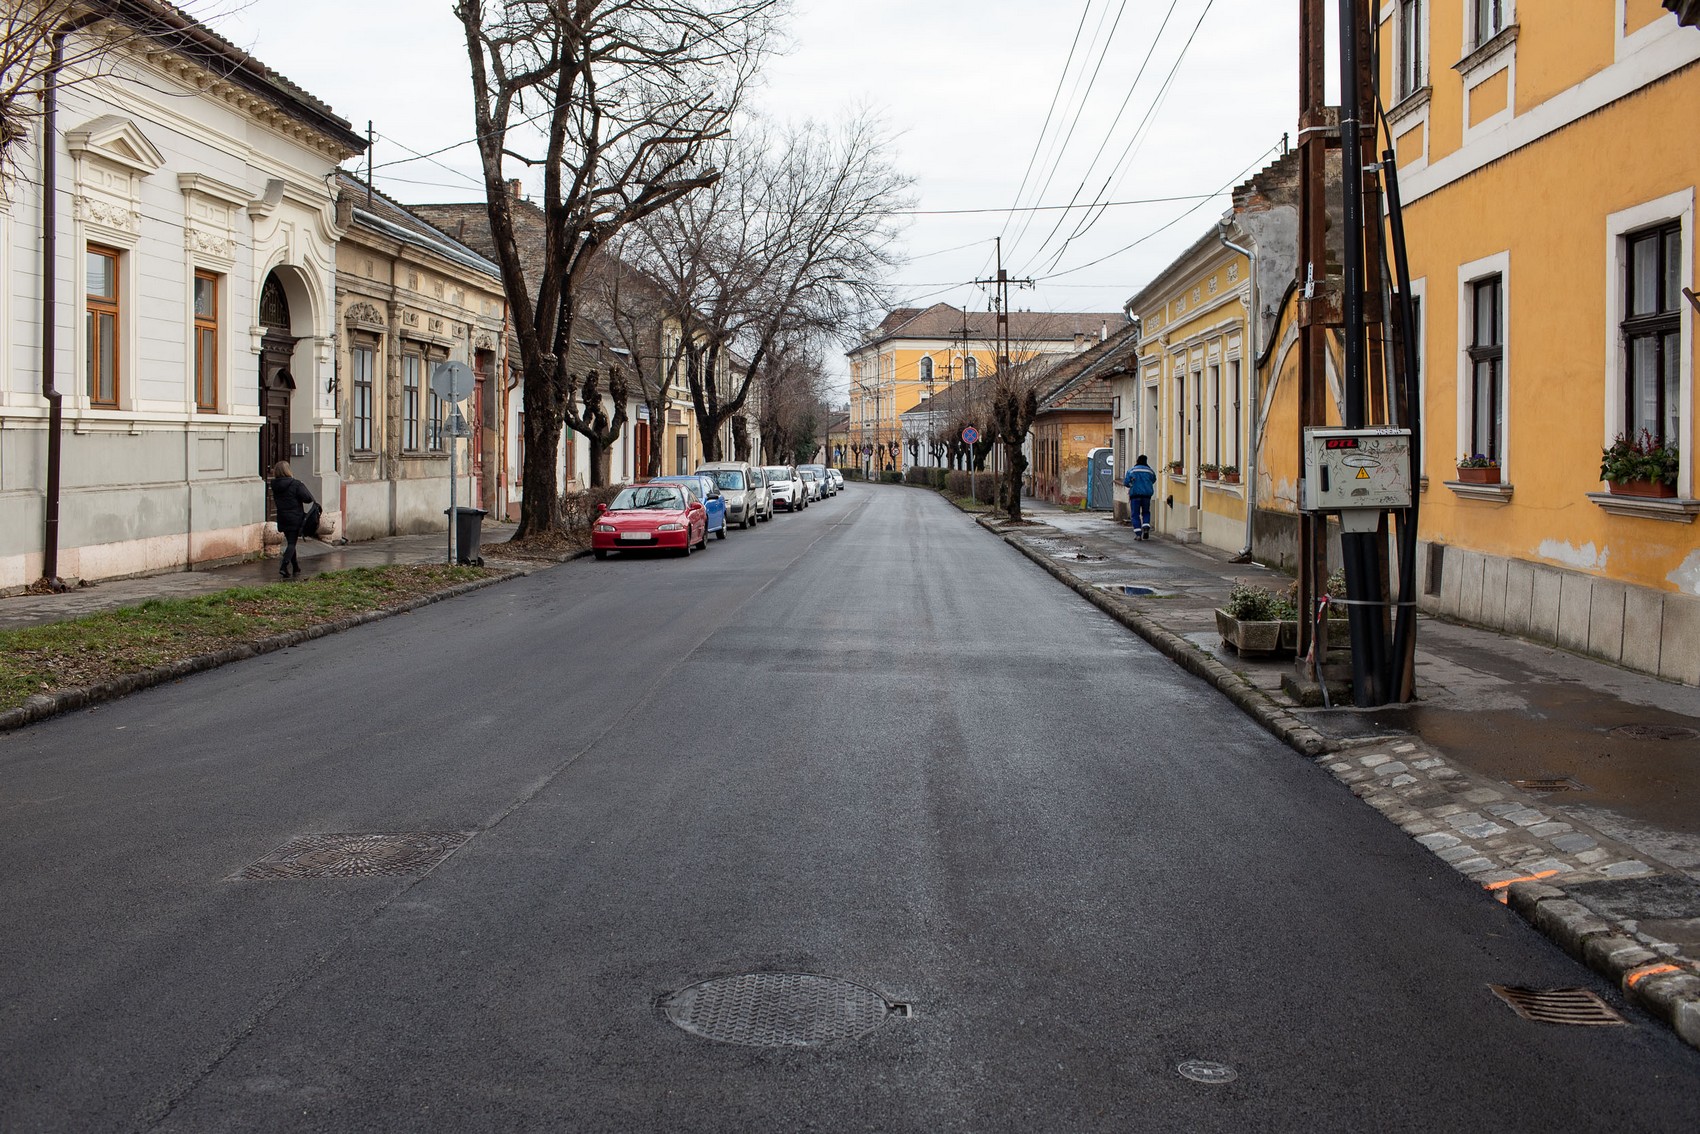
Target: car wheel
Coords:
[(600, 553), (721, 534), (685, 551)]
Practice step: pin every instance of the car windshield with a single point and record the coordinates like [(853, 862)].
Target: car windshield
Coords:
[(778, 472), (808, 474), (649, 497), (729, 478)]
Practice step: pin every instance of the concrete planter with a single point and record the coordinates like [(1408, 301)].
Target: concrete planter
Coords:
[(1656, 489), (1256, 637)]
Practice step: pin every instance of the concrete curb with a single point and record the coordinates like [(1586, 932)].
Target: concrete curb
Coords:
[(1664, 987), (1272, 717), (45, 705)]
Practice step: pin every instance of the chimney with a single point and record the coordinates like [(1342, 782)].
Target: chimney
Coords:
[(1079, 342), (1103, 331), (514, 189)]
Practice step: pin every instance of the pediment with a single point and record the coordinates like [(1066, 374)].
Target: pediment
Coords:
[(115, 139)]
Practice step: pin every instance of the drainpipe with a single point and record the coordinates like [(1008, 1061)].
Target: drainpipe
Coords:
[(50, 295), (1223, 227)]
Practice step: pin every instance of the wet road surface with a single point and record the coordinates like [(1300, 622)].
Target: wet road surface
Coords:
[(867, 741)]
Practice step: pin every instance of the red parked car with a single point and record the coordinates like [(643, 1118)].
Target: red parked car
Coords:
[(650, 515)]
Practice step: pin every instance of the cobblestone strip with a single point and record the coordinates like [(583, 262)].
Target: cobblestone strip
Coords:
[(1508, 843), (1525, 856), (44, 705)]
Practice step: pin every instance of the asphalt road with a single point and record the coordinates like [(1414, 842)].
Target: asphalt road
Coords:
[(868, 741)]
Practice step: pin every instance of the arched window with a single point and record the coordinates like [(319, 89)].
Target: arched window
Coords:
[(926, 370), (970, 368)]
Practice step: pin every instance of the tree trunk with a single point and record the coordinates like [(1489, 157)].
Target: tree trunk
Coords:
[(538, 478), (601, 461), (740, 438)]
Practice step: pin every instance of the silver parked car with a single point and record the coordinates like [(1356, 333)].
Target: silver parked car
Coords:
[(827, 486), (787, 487), (743, 499), (813, 487), (764, 492)]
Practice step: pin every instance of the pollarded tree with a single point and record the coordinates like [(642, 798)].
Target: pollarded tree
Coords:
[(617, 103)]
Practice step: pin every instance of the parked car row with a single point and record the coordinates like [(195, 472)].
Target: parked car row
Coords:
[(679, 513)]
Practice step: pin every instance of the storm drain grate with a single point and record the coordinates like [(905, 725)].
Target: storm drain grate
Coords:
[(1547, 784), (1575, 1006), (779, 1009), (1655, 732), (355, 855)]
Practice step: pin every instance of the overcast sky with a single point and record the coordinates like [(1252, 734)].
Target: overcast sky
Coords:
[(965, 84)]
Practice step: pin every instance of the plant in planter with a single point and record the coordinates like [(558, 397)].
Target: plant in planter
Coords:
[(1230, 474), (1478, 469), (1175, 468), (1640, 466), (1253, 620), (1210, 471)]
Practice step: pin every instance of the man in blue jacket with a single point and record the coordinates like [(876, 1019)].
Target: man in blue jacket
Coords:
[(1141, 482)]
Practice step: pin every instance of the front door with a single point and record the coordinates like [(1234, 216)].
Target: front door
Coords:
[(275, 386)]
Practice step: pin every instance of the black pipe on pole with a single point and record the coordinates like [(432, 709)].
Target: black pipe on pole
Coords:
[(1353, 545), (1405, 618), (50, 297)]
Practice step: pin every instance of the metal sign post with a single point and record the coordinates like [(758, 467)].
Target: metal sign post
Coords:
[(970, 435), (446, 380)]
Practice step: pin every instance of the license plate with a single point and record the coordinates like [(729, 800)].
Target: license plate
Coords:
[(635, 535)]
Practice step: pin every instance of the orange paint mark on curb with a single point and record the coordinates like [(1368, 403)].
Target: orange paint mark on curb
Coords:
[(1526, 878), (1651, 970)]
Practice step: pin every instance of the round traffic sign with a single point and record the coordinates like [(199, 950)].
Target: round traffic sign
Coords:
[(452, 381), (970, 435)]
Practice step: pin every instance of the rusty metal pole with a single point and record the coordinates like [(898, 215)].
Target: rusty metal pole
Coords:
[(1317, 130)]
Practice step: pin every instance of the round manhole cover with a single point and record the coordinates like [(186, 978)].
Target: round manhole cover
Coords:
[(1655, 732), (1204, 1071), (779, 1009)]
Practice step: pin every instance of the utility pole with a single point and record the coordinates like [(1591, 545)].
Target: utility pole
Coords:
[(1002, 303)]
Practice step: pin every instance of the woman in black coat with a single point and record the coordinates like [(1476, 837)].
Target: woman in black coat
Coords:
[(292, 499)]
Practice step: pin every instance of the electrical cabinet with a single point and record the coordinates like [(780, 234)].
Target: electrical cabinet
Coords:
[(1359, 473)]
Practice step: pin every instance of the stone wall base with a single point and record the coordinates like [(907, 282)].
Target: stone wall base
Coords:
[(1651, 631)]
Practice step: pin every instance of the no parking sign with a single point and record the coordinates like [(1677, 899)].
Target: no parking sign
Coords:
[(970, 435)]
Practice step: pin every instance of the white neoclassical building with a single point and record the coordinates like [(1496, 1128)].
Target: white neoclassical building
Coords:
[(192, 230)]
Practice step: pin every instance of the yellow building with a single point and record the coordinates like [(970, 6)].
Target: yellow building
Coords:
[(917, 352), (1547, 166), (1187, 407)]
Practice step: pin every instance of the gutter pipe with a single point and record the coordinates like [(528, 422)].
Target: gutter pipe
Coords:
[(1252, 320), (50, 297)]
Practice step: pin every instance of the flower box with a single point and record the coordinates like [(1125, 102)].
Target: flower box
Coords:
[(1255, 637), (1489, 475), (1657, 489), (1230, 478), (1211, 474), (1175, 468)]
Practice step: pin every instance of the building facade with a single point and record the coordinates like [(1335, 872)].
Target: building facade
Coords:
[(916, 353), (1551, 222), (194, 321), (1187, 405), (410, 298)]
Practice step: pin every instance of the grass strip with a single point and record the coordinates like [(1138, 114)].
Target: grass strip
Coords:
[(115, 643)]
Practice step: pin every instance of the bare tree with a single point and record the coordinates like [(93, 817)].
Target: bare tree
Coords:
[(793, 384), (794, 240), (618, 102), (37, 44), (636, 311)]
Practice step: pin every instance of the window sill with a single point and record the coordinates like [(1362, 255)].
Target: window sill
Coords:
[(1487, 53), (1224, 486), (1675, 509), (1492, 493), (1409, 105)]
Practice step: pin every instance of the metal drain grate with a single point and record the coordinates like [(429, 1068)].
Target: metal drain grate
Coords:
[(1574, 1006), (779, 1009), (1655, 732), (1547, 784), (355, 856)]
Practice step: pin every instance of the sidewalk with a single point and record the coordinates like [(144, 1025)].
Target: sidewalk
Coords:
[(18, 611), (1568, 787)]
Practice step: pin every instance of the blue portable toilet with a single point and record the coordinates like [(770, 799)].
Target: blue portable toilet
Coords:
[(1100, 480)]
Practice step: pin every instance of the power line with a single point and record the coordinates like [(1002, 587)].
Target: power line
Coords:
[(1040, 140), (1078, 111), (1118, 170), (1230, 183)]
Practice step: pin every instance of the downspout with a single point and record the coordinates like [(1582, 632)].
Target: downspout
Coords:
[(1223, 227), (50, 296)]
